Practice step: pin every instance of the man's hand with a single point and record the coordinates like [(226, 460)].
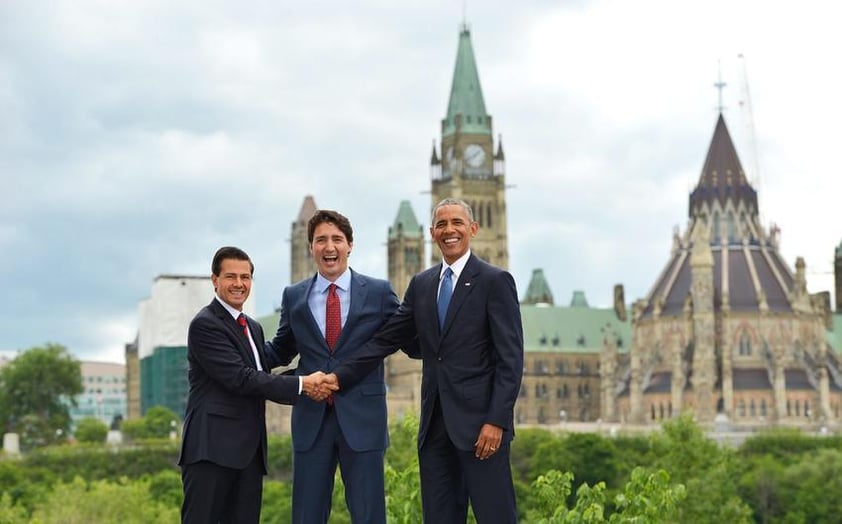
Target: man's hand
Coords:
[(489, 441), (318, 385)]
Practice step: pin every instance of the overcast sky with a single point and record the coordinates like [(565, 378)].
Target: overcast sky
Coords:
[(137, 137)]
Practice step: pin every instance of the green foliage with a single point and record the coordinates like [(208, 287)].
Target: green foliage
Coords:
[(160, 421), (647, 498), (91, 430), (277, 502), (31, 389), (279, 449), (10, 513), (102, 462), (787, 445), (102, 501)]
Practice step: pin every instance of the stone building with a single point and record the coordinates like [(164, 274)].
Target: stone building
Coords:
[(728, 329)]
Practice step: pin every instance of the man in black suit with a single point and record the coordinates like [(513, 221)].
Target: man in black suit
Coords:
[(223, 452), (471, 343)]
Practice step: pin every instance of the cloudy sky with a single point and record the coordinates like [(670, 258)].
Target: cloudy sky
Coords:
[(137, 137)]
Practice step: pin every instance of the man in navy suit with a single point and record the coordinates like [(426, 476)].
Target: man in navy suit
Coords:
[(350, 430), (223, 452), (472, 348)]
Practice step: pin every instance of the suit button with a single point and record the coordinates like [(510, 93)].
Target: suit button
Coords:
[(439, 359)]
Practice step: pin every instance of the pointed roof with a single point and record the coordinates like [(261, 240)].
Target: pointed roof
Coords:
[(405, 223), (308, 209), (579, 299), (538, 291), (722, 176), (499, 155), (434, 160), (465, 93)]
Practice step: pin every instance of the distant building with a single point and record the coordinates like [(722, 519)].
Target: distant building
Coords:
[(104, 395), (728, 329), (161, 344)]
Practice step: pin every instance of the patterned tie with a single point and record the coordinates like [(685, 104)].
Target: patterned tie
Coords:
[(445, 293), (241, 320), (333, 318)]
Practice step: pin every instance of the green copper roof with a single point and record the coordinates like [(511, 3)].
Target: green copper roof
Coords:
[(538, 291), (405, 222), (579, 299), (466, 93), (559, 329)]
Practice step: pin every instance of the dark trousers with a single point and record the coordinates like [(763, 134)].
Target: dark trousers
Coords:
[(450, 477), (216, 494), (313, 472)]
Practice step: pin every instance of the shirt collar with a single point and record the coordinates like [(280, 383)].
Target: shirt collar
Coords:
[(457, 266), (343, 282), (232, 311)]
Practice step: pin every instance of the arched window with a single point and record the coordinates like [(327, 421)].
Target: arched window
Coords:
[(745, 345), (716, 229), (732, 227), (762, 407), (741, 407), (752, 408)]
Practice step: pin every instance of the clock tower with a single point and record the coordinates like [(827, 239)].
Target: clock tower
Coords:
[(469, 168)]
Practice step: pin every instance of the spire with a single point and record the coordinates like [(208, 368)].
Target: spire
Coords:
[(722, 176), (538, 291), (434, 159), (308, 209), (466, 108), (499, 155), (405, 222)]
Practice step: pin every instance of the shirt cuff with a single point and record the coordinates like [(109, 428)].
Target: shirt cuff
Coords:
[(300, 384)]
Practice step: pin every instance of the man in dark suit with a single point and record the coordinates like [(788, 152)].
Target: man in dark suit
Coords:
[(471, 342), (223, 452), (350, 430)]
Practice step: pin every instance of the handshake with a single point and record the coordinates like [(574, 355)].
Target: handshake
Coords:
[(319, 385)]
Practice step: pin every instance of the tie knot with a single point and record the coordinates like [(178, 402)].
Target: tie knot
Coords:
[(331, 289), (241, 320)]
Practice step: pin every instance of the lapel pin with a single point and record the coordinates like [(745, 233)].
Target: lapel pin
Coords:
[(467, 283)]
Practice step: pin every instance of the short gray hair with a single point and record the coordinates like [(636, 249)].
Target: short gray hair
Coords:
[(452, 202)]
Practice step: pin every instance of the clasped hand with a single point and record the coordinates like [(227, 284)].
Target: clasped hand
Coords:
[(319, 385)]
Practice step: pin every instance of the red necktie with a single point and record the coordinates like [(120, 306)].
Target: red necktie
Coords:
[(333, 318), (241, 320)]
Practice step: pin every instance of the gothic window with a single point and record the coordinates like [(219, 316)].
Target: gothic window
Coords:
[(732, 228), (716, 231), (806, 408), (797, 408), (752, 408), (741, 407), (560, 367), (788, 408), (745, 345), (661, 411), (762, 407), (478, 211), (652, 409), (564, 391), (488, 216)]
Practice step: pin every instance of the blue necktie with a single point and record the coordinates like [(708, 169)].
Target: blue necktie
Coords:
[(445, 292)]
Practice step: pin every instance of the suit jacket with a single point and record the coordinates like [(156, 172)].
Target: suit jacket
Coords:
[(225, 421), (361, 409), (474, 364)]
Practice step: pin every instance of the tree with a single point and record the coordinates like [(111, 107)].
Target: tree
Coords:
[(32, 387), (91, 430), (160, 421)]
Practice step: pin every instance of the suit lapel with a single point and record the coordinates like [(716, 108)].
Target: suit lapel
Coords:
[(303, 305), (234, 328), (464, 286)]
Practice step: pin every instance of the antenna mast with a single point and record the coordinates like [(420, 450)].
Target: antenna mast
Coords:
[(745, 104)]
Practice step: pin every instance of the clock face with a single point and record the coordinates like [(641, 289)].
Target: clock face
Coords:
[(474, 155)]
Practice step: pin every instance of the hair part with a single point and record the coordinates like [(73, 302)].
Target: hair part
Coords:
[(328, 216), (452, 202), (229, 252)]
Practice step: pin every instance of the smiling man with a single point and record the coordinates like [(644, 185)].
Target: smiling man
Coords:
[(325, 319), (223, 451), (466, 317)]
